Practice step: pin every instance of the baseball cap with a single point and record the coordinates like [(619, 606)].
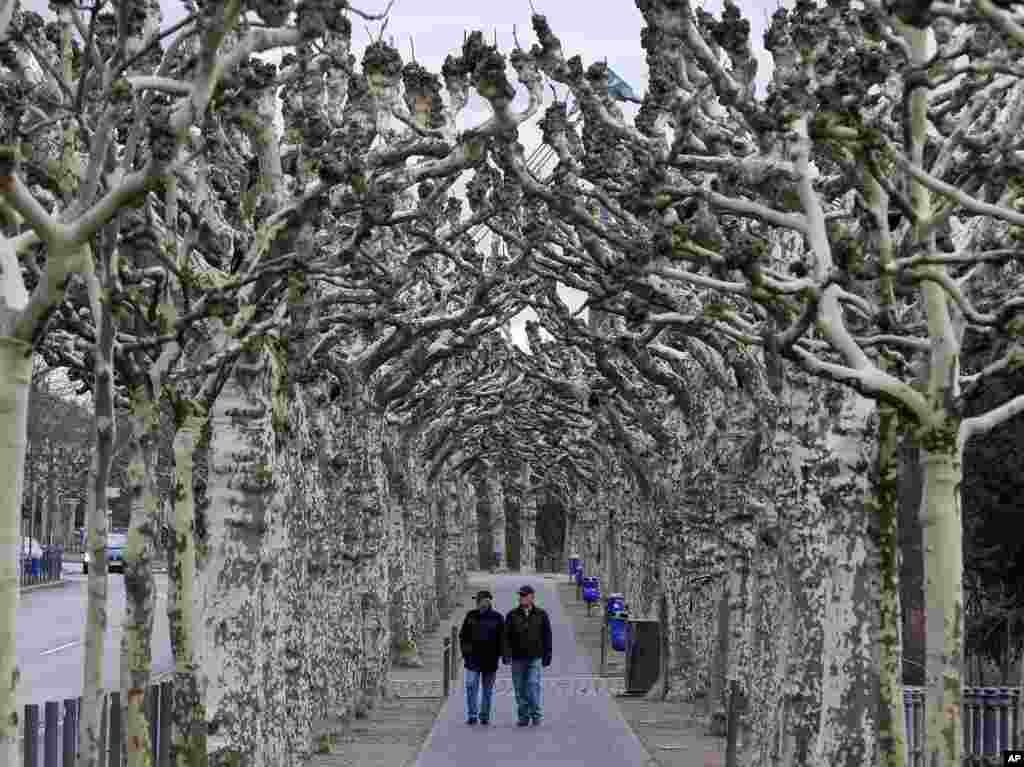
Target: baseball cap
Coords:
[(483, 594), (524, 590)]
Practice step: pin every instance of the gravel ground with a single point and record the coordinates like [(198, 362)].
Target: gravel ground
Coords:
[(673, 733), (390, 737)]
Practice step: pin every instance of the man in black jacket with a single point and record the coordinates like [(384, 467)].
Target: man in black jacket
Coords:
[(481, 641), (528, 648)]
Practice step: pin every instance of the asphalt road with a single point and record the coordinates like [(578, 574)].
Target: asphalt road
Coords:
[(51, 626), (581, 725)]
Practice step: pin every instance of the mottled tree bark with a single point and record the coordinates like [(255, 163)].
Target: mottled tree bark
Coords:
[(441, 574), (528, 525), (885, 506), (188, 730), (50, 508), (942, 541), (15, 381), (826, 657), (240, 490), (136, 639), (89, 736), (485, 534), (468, 504), (403, 565), (496, 503), (941, 457)]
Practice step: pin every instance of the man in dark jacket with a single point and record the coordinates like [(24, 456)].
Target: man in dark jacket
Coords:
[(528, 648), (481, 641)]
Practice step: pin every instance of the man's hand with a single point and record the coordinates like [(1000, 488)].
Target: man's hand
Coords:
[(505, 660), (546, 662)]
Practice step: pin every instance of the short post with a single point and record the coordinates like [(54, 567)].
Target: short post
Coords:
[(629, 653), (732, 731), (455, 653), (447, 665), (31, 743), (665, 650)]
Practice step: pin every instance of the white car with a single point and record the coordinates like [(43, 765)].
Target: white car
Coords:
[(30, 549), (116, 543)]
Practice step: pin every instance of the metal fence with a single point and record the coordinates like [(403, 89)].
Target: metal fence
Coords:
[(991, 717), (52, 740), (47, 569)]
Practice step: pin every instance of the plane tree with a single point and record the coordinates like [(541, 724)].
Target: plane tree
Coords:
[(63, 205), (859, 232)]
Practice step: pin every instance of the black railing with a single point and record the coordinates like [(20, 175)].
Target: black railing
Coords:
[(45, 569), (52, 740)]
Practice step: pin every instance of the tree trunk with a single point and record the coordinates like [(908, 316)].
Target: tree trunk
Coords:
[(911, 562), (571, 544), (942, 538), (15, 381), (89, 736), (140, 586), (816, 644), (468, 502), (50, 509), (188, 731), (38, 505), (720, 657), (456, 541), (27, 502), (485, 535), (440, 549), (892, 738), (613, 545), (240, 490), (496, 501), (528, 531)]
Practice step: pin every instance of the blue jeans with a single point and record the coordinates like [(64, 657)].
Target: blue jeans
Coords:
[(526, 680), (473, 679)]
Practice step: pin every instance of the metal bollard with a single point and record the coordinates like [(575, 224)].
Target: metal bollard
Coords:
[(736, 706), (447, 665), (455, 653)]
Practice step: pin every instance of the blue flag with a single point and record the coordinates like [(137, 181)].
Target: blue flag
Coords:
[(619, 89)]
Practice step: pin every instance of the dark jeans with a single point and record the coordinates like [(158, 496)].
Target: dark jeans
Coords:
[(473, 680), (526, 680)]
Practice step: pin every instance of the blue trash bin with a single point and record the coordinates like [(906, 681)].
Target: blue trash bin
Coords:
[(615, 603), (618, 621), (574, 565), (579, 576), (37, 567), (591, 589)]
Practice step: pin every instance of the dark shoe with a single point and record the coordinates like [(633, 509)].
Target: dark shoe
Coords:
[(485, 721), (523, 722), (471, 721), (536, 722)]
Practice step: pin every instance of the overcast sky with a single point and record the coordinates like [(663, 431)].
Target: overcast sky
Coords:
[(595, 29)]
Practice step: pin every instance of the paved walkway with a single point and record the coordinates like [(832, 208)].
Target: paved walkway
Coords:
[(582, 724)]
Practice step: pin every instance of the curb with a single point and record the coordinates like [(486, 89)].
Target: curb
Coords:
[(415, 762), (40, 586)]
